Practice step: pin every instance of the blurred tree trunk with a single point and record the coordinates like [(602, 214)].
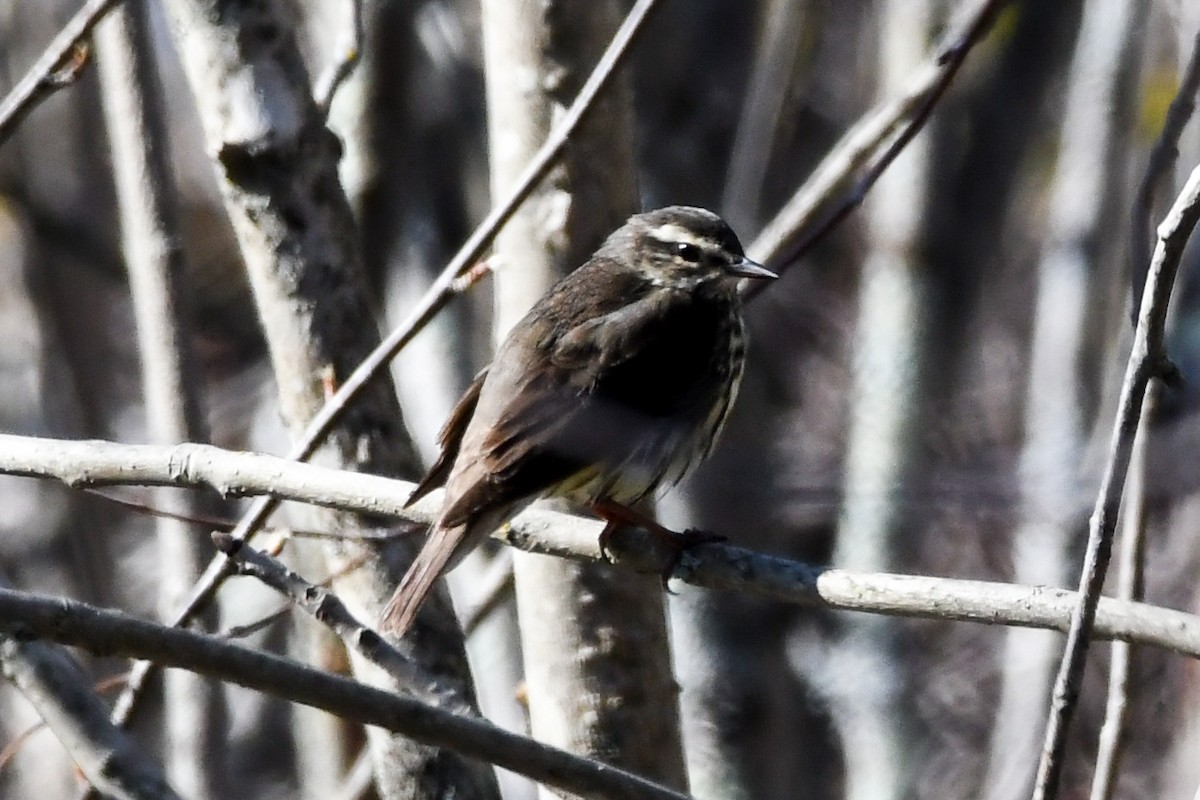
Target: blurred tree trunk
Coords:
[(37, 395), (194, 707), (597, 667), (862, 676), (1089, 176), (408, 169), (783, 23), (278, 164)]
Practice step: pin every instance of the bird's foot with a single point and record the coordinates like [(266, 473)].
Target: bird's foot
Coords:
[(617, 515), (679, 543)]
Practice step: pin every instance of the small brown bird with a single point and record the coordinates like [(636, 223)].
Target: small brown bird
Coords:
[(618, 380)]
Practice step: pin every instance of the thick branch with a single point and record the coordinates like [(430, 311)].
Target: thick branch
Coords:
[(715, 566), (112, 633), (110, 759)]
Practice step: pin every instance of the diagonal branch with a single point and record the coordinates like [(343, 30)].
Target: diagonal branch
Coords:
[(1131, 578), (1162, 158), (862, 149), (41, 81), (1147, 361), (112, 633), (326, 607)]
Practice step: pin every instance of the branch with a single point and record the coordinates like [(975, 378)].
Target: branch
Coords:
[(1131, 578), (147, 201), (112, 633), (714, 566), (58, 65), (110, 759), (1147, 360), (327, 608), (778, 243), (107, 756), (348, 54), (1162, 159)]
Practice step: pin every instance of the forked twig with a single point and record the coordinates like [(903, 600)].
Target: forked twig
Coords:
[(1147, 361), (1131, 579), (56, 67), (346, 58)]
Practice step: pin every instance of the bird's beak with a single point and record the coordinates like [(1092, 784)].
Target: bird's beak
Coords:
[(750, 269)]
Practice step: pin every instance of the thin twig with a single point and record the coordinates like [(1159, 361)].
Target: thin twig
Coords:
[(779, 243), (712, 566), (226, 525), (327, 608), (1131, 576), (348, 54), (147, 201), (1147, 361), (47, 74), (251, 628), (115, 634), (50, 680), (1162, 159), (1089, 164), (17, 742), (1130, 586)]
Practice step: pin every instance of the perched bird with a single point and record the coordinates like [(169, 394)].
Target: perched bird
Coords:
[(618, 380)]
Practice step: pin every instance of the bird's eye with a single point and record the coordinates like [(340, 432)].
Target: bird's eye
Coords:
[(688, 252)]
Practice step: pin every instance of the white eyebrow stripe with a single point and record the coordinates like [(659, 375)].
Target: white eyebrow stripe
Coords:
[(670, 233)]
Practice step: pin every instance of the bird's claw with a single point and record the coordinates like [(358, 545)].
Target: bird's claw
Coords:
[(680, 542), (605, 540)]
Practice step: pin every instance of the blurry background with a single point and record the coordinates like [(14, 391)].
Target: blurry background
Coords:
[(931, 390)]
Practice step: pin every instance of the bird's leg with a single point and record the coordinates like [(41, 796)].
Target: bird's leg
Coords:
[(617, 514)]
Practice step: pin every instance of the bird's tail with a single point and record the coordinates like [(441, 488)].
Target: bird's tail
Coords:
[(445, 547), (441, 551)]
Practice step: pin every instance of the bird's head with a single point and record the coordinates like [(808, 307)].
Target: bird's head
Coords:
[(683, 247)]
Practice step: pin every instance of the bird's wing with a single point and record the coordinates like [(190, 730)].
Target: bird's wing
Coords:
[(450, 438), (548, 416)]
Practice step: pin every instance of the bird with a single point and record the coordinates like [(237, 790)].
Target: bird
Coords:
[(617, 381)]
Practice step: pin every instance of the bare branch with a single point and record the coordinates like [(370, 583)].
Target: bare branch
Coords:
[(1131, 577), (57, 67), (328, 609), (349, 53), (110, 759), (1090, 163), (1147, 361), (115, 634), (894, 123), (1162, 159), (714, 566), (1130, 586), (135, 117)]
